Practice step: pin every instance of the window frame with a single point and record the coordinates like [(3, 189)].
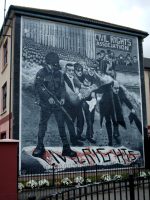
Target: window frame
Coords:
[(4, 97), (5, 54)]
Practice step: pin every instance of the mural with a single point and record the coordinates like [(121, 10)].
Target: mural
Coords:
[(80, 97)]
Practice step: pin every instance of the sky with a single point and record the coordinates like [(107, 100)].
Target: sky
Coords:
[(130, 13)]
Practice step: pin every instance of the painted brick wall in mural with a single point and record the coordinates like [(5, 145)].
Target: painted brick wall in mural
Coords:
[(80, 97)]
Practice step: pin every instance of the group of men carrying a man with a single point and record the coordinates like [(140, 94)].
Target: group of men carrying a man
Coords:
[(72, 96)]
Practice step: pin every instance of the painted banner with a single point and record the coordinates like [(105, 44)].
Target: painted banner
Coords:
[(80, 99), (113, 42)]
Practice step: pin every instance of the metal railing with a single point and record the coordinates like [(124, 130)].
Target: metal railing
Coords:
[(128, 189), (95, 188)]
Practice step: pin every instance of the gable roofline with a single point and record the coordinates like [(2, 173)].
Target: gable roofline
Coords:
[(69, 18)]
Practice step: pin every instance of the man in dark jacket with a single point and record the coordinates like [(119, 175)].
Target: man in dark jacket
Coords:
[(87, 80), (50, 89), (91, 80), (74, 110), (111, 109), (78, 73)]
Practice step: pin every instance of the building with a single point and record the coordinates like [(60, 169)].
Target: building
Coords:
[(147, 89), (5, 82), (28, 34)]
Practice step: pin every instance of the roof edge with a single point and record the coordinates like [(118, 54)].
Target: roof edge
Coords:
[(67, 16)]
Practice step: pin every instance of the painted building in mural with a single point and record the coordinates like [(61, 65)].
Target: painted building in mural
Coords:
[(76, 90)]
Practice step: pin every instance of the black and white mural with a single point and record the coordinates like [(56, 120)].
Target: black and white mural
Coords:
[(80, 100)]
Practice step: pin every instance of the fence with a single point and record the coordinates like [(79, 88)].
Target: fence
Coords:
[(129, 189), (60, 181)]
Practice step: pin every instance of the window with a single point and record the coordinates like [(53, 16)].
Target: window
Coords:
[(4, 96), (5, 52), (3, 135)]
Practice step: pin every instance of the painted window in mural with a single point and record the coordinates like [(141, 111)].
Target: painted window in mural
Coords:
[(80, 97)]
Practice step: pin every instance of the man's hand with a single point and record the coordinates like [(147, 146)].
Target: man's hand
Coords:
[(62, 101), (80, 96), (51, 100), (133, 111)]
